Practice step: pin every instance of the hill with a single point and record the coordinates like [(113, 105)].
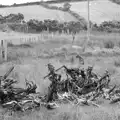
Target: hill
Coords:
[(100, 10), (38, 12)]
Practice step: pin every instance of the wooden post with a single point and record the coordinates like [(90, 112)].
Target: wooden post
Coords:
[(68, 32), (62, 31), (73, 39), (47, 30), (52, 34), (4, 49)]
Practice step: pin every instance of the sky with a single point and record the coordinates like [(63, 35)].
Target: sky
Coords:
[(10, 2)]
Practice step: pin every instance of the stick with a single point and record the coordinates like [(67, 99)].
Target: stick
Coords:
[(55, 71), (112, 89), (7, 73)]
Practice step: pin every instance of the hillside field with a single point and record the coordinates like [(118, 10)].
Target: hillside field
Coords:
[(100, 10), (38, 12)]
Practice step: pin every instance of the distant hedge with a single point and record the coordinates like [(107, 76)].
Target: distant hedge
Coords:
[(16, 21), (116, 1), (55, 26)]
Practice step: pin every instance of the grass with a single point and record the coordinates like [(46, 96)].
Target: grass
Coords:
[(98, 9), (30, 60), (107, 9), (71, 114), (109, 44), (29, 14), (117, 62), (46, 46)]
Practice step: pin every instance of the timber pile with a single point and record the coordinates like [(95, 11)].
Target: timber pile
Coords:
[(81, 87)]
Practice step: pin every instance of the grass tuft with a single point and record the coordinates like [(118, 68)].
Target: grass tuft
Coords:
[(109, 44), (117, 62)]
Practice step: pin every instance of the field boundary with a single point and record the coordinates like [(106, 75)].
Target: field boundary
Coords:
[(71, 12)]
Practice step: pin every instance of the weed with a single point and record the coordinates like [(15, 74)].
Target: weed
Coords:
[(117, 62), (109, 44)]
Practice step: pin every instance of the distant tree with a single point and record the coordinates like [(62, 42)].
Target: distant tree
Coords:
[(66, 6), (21, 16), (14, 4)]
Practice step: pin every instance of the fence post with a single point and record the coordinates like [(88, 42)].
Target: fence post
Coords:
[(4, 49)]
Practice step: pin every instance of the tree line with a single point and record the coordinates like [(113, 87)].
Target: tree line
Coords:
[(55, 26), (116, 1), (17, 21), (12, 18)]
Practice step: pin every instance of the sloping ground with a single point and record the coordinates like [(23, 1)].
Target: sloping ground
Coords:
[(72, 13), (100, 10), (38, 12)]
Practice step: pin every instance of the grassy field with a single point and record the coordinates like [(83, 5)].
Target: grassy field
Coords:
[(100, 10), (38, 12), (30, 60)]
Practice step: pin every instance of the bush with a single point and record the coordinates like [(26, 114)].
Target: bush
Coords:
[(66, 6), (117, 62), (109, 44), (119, 44)]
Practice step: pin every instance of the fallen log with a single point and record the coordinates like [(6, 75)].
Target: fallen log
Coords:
[(111, 90), (115, 100)]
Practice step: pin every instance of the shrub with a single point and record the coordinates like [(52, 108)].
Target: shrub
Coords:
[(117, 62), (109, 44), (66, 6), (119, 44)]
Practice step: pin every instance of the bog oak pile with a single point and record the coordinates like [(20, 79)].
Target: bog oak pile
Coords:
[(80, 87)]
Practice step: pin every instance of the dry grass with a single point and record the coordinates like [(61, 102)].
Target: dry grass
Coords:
[(46, 46), (104, 8), (109, 44), (29, 62), (40, 14), (117, 62), (74, 113)]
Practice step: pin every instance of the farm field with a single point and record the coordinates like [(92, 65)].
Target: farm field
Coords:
[(38, 12), (100, 10)]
